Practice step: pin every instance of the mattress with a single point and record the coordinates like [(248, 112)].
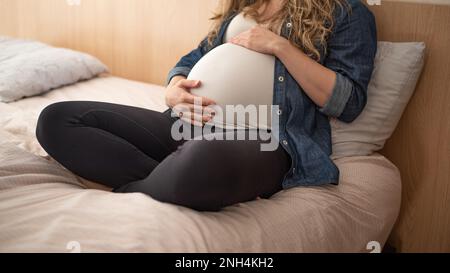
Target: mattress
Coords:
[(45, 208)]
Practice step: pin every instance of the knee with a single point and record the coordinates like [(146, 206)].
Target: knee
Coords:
[(50, 123)]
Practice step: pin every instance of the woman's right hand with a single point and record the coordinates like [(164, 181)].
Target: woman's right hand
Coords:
[(188, 107)]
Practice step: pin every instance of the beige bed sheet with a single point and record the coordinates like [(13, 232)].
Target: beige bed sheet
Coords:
[(44, 208)]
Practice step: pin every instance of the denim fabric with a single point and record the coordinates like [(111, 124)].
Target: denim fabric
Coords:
[(305, 130)]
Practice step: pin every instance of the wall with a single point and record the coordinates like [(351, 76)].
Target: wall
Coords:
[(137, 39), (420, 146)]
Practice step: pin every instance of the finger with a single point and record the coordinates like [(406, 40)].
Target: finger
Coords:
[(192, 111), (244, 35), (241, 42), (207, 101), (180, 109), (193, 122), (191, 99), (199, 117), (189, 84), (236, 40), (209, 112), (194, 118), (187, 107)]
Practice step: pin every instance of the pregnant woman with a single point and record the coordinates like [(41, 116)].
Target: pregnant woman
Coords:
[(323, 53)]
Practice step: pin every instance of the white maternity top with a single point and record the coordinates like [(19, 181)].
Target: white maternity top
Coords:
[(232, 75)]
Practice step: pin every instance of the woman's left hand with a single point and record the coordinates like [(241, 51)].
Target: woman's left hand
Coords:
[(259, 39)]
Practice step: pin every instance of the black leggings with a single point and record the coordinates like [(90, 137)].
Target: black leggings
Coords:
[(132, 150)]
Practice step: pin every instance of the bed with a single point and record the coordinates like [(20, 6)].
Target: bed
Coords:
[(45, 208), (419, 147)]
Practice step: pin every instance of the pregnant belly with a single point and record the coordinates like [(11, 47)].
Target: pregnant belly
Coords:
[(232, 75)]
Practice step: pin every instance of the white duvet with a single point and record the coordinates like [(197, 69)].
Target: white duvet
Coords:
[(44, 208)]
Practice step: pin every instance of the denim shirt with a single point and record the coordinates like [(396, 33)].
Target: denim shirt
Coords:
[(305, 131)]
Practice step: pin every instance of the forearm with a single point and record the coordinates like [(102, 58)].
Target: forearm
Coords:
[(316, 80)]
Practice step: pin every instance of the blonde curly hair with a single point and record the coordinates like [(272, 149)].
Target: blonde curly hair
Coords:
[(313, 20)]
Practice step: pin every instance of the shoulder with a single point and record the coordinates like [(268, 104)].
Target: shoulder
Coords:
[(354, 16), (354, 10), (358, 5)]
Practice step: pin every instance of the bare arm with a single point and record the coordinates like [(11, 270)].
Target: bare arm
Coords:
[(315, 79)]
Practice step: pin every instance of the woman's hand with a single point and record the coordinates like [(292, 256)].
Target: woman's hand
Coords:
[(259, 39), (188, 107), (316, 80)]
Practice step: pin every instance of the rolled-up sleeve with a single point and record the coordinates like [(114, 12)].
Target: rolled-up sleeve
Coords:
[(351, 53), (178, 71), (341, 95), (186, 63)]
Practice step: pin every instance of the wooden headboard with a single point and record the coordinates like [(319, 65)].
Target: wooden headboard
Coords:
[(137, 39), (420, 146), (143, 39)]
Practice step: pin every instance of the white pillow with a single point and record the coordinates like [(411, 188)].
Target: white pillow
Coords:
[(29, 68), (397, 69)]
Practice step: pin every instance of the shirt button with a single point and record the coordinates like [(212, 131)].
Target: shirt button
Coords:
[(285, 143), (280, 112), (281, 79), (289, 25)]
